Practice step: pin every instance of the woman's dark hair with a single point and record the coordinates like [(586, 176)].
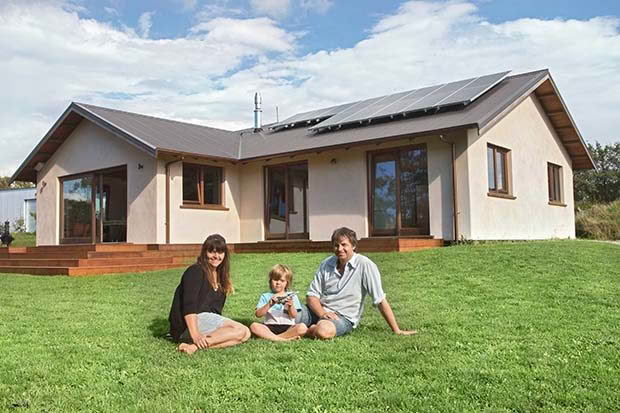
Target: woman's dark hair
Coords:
[(217, 243), (346, 233)]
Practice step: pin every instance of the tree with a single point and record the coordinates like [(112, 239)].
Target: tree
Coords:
[(600, 186), (4, 183)]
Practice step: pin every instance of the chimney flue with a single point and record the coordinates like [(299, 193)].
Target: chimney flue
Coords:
[(257, 113)]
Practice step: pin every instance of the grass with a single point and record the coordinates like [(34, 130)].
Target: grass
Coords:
[(24, 239), (502, 328)]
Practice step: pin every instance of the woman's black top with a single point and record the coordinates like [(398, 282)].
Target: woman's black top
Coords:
[(194, 295)]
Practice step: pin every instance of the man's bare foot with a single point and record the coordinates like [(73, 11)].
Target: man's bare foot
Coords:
[(187, 348)]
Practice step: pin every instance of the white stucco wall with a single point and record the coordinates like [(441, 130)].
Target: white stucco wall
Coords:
[(338, 192), (194, 225), (527, 133), (90, 148)]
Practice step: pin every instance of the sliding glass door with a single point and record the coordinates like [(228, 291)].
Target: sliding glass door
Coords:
[(286, 192), (399, 192), (94, 207)]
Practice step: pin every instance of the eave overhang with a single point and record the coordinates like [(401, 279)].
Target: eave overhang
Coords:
[(560, 118), (61, 130)]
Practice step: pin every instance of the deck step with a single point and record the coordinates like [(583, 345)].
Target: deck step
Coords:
[(82, 271), (96, 262), (117, 269)]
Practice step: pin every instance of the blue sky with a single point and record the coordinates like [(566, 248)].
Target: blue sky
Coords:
[(201, 61)]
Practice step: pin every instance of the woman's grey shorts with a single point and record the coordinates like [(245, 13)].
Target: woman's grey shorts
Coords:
[(207, 323)]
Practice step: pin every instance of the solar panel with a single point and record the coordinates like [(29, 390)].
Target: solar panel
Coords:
[(365, 110), (433, 97), (312, 115), (413, 96)]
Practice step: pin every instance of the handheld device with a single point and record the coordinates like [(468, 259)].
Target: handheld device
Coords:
[(282, 300)]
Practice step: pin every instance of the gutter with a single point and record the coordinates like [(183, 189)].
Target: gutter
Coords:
[(455, 215), (168, 198)]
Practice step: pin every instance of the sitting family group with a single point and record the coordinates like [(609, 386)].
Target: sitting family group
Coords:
[(335, 299)]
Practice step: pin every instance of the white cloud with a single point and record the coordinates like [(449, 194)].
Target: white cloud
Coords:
[(111, 11), (249, 34), (317, 6), (145, 22), (273, 8), (213, 10), (50, 56), (188, 4)]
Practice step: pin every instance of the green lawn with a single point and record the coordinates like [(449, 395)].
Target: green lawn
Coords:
[(24, 239), (510, 327)]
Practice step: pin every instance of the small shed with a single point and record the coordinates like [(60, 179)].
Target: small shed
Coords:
[(16, 203)]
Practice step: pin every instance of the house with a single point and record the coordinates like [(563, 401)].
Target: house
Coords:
[(18, 204), (484, 158)]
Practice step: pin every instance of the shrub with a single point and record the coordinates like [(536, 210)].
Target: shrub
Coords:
[(19, 225), (598, 221)]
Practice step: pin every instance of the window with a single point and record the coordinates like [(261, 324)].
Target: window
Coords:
[(202, 185), (554, 172), (498, 167)]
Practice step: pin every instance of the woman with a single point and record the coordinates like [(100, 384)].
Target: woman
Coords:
[(195, 317)]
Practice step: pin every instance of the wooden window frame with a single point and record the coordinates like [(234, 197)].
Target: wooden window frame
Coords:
[(555, 187), (505, 193), (200, 203)]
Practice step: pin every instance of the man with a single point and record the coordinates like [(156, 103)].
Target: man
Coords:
[(336, 295)]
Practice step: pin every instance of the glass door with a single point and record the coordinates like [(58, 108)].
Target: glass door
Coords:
[(77, 210), (286, 201), (399, 192), (94, 207)]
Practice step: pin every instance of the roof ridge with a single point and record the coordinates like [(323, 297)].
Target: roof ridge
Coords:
[(86, 105)]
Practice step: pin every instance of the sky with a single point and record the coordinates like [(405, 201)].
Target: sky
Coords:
[(202, 61)]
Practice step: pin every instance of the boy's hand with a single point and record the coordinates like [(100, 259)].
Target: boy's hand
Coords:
[(289, 303), (272, 302)]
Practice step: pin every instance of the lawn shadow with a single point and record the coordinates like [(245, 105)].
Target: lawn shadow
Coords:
[(159, 328)]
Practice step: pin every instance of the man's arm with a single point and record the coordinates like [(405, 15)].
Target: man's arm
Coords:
[(315, 305), (388, 315)]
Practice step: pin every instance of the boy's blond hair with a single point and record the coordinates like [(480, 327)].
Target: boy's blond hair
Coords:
[(279, 271)]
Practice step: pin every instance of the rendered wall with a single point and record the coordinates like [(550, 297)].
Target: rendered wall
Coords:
[(194, 225), (527, 132), (338, 191), (91, 148)]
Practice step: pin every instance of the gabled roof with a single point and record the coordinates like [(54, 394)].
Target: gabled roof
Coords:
[(158, 136)]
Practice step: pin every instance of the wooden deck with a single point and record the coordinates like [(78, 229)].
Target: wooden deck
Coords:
[(92, 259)]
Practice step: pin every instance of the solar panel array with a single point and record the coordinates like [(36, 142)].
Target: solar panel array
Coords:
[(313, 115), (461, 92)]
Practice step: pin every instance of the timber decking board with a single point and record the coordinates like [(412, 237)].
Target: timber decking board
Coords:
[(89, 259)]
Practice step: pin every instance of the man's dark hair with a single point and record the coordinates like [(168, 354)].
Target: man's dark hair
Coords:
[(346, 233)]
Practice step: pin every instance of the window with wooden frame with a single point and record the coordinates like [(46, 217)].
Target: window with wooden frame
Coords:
[(202, 185), (498, 167), (554, 174)]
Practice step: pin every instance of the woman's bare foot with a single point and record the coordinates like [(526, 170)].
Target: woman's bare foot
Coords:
[(187, 348)]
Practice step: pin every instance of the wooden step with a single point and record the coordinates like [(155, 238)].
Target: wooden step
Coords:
[(174, 247), (35, 270), (150, 253), (97, 262), (47, 255), (118, 269)]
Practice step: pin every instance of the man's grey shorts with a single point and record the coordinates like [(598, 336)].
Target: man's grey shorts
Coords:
[(207, 323), (307, 317)]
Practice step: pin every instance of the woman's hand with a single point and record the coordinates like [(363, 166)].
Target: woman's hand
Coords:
[(201, 341)]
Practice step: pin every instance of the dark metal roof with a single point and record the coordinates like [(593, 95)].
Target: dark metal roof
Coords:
[(162, 134), (155, 135)]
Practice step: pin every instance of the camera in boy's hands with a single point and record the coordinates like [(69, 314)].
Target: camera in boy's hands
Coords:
[(284, 298)]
